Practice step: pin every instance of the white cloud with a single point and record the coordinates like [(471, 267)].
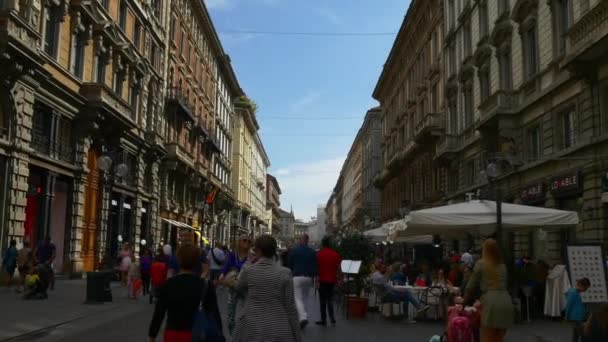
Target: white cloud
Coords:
[(306, 185), (329, 14), (306, 100), (232, 40)]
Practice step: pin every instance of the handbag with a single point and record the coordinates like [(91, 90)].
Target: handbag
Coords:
[(204, 327)]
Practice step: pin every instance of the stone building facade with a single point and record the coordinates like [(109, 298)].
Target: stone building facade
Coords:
[(201, 88), (286, 222), (81, 102), (410, 91), (371, 140), (523, 83), (352, 201), (273, 203), (116, 123), (250, 164)]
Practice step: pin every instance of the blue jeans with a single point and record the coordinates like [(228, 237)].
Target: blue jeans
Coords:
[(404, 296)]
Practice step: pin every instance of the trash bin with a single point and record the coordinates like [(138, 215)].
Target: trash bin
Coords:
[(98, 287)]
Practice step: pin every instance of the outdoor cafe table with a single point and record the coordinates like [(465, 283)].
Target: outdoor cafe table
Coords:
[(417, 291)]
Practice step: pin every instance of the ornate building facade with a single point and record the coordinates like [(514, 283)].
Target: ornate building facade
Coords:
[(410, 91), (81, 103)]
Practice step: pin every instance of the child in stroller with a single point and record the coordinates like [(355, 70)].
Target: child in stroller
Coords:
[(37, 283)]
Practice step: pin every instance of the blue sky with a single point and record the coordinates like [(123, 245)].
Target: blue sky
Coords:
[(304, 76)]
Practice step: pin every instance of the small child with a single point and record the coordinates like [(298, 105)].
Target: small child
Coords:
[(158, 275), (134, 283), (33, 286), (575, 309)]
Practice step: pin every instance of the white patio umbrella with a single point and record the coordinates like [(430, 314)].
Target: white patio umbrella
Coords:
[(479, 216)]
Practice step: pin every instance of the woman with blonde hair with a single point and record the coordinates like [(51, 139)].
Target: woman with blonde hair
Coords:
[(490, 276)]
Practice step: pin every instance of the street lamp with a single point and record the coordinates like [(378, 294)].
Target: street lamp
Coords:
[(492, 172), (104, 164)]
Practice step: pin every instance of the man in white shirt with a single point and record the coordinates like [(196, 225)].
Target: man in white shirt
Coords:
[(216, 257), (467, 259)]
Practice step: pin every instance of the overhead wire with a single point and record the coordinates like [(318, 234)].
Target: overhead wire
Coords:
[(311, 34)]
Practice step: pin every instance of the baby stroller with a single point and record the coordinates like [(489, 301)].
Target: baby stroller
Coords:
[(37, 283)]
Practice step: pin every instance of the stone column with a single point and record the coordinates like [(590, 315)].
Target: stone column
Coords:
[(23, 98), (47, 201), (77, 203), (155, 225)]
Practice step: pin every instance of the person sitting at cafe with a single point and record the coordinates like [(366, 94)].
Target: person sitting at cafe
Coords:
[(390, 293), (397, 277)]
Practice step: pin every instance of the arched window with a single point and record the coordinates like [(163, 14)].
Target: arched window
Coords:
[(3, 121)]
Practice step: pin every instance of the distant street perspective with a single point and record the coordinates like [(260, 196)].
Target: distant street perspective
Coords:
[(299, 171)]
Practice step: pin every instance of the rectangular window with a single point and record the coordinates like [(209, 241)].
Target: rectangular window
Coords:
[(51, 32), (119, 78), (484, 26), (484, 83), (122, 15), (531, 54), (451, 13), (172, 30), (77, 54), (562, 24), (101, 68), (452, 56), (435, 98), (568, 127), (534, 143), (41, 131), (470, 173), (468, 48), (506, 76), (136, 34), (182, 35), (503, 6), (468, 106), (453, 180), (133, 98), (453, 110), (64, 144)]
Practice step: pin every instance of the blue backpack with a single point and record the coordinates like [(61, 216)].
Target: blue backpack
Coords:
[(204, 327)]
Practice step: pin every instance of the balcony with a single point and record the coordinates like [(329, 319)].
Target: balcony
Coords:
[(176, 152), (406, 152), (500, 103), (176, 98), (431, 125), (101, 97), (587, 39), (448, 147)]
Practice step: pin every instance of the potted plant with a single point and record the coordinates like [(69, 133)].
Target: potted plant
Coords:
[(355, 246)]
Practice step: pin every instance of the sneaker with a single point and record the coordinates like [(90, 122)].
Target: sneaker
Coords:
[(423, 308), (333, 323), (321, 323), (303, 324)]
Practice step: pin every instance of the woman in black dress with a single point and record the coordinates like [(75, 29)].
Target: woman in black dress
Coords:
[(179, 299)]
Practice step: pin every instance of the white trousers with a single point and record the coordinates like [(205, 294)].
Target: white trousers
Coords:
[(302, 287)]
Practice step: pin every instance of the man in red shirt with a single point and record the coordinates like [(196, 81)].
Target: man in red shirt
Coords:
[(329, 269)]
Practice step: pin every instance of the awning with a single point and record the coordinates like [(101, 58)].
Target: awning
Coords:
[(180, 224), (479, 216)]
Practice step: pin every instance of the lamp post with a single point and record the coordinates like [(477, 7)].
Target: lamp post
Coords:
[(492, 172), (104, 163)]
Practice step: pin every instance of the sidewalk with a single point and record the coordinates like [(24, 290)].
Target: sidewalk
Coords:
[(24, 318)]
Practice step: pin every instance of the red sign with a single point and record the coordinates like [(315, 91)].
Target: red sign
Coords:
[(533, 192)]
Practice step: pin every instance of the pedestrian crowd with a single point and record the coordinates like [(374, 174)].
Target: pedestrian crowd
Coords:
[(33, 266), (267, 294)]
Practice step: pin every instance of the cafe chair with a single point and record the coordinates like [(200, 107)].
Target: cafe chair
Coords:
[(387, 308)]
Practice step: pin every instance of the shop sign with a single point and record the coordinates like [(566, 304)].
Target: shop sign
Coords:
[(566, 184), (533, 192)]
